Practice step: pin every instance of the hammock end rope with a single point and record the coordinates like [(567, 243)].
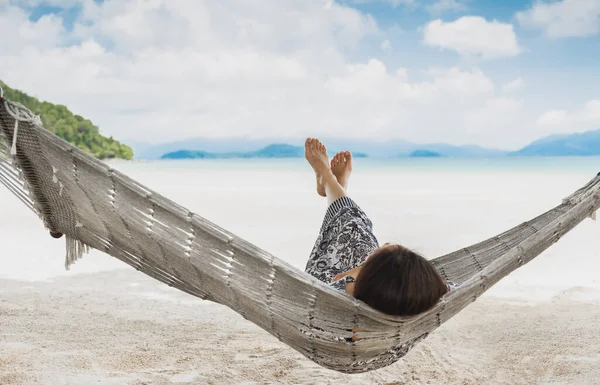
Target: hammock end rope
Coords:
[(13, 149), (20, 114)]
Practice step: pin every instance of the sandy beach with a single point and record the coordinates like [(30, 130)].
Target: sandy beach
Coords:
[(112, 328), (105, 323)]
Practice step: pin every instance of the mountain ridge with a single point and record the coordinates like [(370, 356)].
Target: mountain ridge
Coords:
[(276, 150), (578, 144), (226, 147)]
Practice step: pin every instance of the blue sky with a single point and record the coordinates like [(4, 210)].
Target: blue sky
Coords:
[(568, 59), (494, 73)]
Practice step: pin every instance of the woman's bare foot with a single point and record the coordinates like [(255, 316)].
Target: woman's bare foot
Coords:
[(316, 154), (341, 165)]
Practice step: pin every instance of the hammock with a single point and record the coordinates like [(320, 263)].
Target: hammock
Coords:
[(98, 207)]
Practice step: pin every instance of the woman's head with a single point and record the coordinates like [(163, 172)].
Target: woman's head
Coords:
[(398, 281)]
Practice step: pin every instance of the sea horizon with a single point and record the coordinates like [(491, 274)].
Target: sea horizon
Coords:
[(590, 164)]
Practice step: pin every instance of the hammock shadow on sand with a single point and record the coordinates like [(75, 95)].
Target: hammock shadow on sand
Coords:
[(98, 207)]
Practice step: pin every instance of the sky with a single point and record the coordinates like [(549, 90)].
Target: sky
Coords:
[(493, 73)]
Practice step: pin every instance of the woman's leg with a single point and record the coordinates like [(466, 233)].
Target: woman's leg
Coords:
[(341, 166), (327, 182), (335, 251), (333, 189)]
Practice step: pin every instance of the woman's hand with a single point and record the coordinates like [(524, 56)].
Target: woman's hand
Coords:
[(350, 273), (354, 273)]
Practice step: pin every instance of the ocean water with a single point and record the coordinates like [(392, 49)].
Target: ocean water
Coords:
[(434, 206)]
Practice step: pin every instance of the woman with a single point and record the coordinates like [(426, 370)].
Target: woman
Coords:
[(391, 278)]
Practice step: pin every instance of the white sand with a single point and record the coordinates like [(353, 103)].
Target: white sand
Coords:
[(85, 330), (105, 323)]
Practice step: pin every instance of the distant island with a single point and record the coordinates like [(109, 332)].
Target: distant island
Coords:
[(424, 154), (72, 128), (270, 151), (579, 144), (217, 148)]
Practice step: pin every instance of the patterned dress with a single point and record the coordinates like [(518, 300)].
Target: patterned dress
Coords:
[(345, 241)]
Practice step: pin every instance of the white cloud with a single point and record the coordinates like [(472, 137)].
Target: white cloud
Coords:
[(387, 101), (471, 83), (18, 31), (566, 18), (586, 118), (473, 36), (495, 118), (52, 3), (442, 6), (513, 85), (166, 70), (553, 118), (386, 46), (393, 3), (372, 83)]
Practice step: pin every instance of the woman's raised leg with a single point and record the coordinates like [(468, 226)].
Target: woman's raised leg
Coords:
[(341, 165), (327, 182)]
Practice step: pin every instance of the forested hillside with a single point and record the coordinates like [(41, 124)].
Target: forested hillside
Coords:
[(73, 128)]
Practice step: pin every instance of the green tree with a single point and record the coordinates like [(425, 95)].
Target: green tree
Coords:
[(75, 129)]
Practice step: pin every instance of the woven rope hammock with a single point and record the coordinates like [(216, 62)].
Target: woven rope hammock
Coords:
[(98, 207)]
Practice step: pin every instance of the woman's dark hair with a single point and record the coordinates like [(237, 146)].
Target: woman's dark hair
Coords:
[(398, 281)]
